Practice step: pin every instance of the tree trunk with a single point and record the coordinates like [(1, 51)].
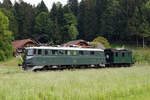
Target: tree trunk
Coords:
[(137, 42), (143, 43)]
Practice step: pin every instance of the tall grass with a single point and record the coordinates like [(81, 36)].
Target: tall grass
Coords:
[(11, 65), (97, 84), (141, 56)]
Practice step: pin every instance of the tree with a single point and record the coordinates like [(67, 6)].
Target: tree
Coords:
[(6, 49), (25, 16), (69, 30), (43, 27), (73, 4), (102, 40), (41, 7), (13, 25), (144, 30), (54, 12), (87, 20), (7, 4), (110, 23), (56, 36), (56, 15)]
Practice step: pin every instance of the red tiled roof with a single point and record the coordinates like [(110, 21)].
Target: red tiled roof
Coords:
[(75, 42), (20, 43)]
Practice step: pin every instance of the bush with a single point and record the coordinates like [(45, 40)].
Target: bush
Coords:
[(102, 40), (141, 56), (2, 56), (93, 44)]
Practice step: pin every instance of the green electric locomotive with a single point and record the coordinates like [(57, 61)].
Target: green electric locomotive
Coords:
[(62, 57)]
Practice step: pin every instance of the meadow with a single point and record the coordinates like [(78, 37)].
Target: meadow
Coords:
[(131, 83)]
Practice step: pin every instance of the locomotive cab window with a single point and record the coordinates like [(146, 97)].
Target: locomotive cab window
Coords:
[(123, 54), (39, 52), (30, 52)]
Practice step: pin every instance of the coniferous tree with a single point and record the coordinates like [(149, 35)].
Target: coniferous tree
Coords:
[(73, 4), (43, 27), (56, 27), (81, 19), (69, 29), (41, 7), (25, 16), (88, 19), (7, 4)]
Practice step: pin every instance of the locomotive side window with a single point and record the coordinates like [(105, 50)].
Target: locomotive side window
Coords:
[(116, 54), (39, 52), (61, 52), (34, 52), (81, 53), (74, 53), (68, 53), (46, 52), (65, 52), (54, 52), (86, 53), (123, 54), (92, 53)]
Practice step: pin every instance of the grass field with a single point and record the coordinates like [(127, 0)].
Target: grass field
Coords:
[(92, 84)]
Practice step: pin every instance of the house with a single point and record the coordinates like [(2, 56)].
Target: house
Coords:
[(20, 45), (76, 43)]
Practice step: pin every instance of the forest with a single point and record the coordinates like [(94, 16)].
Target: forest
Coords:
[(119, 21)]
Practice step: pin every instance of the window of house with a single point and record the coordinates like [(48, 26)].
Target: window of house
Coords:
[(81, 44)]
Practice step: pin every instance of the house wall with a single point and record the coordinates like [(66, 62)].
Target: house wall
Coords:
[(82, 44)]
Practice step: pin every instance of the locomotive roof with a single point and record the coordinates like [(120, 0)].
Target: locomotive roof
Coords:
[(118, 50), (65, 48)]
